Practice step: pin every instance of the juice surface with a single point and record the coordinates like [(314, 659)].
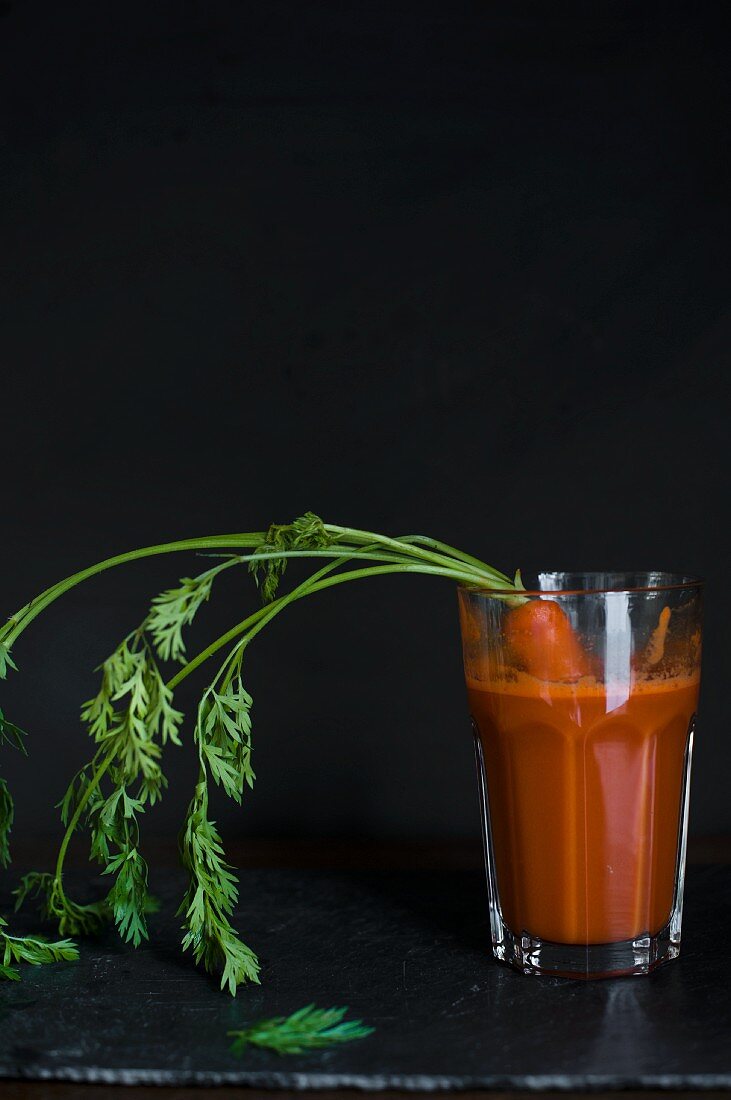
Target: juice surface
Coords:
[(585, 784)]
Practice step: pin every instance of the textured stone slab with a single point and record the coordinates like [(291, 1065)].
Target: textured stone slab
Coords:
[(408, 953)]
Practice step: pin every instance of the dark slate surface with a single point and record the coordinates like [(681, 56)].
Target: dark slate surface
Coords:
[(408, 953)]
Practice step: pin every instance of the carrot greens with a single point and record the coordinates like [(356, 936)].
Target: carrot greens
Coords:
[(30, 949), (309, 1028), (133, 719)]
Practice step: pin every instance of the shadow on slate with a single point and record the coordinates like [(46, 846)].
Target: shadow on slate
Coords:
[(408, 954)]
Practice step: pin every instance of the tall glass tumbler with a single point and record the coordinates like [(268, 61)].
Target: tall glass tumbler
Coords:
[(583, 694)]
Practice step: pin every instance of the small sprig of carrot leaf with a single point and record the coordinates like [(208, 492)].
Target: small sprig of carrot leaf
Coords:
[(310, 1028), (30, 949)]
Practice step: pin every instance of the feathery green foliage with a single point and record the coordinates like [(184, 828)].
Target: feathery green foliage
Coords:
[(132, 718), (308, 532), (72, 919), (30, 949), (223, 736), (309, 1028), (210, 899), (6, 661), (12, 735), (134, 733), (7, 815), (176, 608)]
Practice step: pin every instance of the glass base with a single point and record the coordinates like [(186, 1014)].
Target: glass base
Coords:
[(531, 955)]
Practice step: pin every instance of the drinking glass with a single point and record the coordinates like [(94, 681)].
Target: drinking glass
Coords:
[(583, 693)]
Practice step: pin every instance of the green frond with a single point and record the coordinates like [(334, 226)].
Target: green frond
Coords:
[(10, 734), (131, 718), (175, 609), (76, 793), (210, 899), (310, 1028), (6, 661), (223, 732), (308, 532), (72, 919), (128, 897), (31, 949), (7, 814)]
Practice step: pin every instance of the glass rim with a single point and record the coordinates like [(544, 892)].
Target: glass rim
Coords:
[(664, 582)]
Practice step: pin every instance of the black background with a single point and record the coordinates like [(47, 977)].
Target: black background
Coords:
[(443, 267)]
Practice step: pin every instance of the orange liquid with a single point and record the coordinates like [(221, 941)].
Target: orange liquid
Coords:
[(584, 804)]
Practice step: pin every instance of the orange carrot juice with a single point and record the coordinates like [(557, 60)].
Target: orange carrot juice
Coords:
[(583, 694), (584, 804)]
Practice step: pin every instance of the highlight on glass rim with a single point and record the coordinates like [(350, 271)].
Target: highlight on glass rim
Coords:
[(582, 689)]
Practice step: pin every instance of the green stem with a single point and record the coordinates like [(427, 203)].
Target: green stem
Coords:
[(412, 548), (347, 553), (309, 587), (214, 647), (411, 554), (18, 622), (71, 827), (453, 552), (353, 534), (243, 626)]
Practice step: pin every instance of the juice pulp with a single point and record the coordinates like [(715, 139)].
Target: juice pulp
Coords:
[(584, 803)]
